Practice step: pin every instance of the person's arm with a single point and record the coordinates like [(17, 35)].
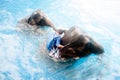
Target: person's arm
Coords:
[(60, 46), (58, 43)]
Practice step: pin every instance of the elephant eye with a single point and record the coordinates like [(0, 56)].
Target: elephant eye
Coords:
[(29, 20), (88, 46)]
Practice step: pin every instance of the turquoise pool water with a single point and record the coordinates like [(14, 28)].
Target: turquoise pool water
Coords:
[(22, 54)]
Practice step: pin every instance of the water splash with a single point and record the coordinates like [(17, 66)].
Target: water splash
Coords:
[(23, 53)]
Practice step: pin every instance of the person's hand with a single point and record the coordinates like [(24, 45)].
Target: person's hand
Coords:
[(60, 46)]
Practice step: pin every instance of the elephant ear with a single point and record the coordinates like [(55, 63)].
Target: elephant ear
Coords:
[(68, 53)]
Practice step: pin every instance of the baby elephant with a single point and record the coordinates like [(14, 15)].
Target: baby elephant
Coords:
[(38, 19)]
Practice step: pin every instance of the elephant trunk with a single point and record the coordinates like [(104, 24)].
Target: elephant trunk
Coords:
[(96, 48)]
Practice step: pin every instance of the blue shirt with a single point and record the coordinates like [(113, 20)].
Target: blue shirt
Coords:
[(54, 43)]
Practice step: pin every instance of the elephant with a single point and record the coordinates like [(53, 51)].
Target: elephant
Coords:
[(78, 44), (37, 19)]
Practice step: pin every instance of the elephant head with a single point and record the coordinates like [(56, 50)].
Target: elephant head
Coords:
[(78, 44), (38, 19)]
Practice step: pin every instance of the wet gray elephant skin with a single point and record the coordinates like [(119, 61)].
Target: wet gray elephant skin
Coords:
[(78, 44)]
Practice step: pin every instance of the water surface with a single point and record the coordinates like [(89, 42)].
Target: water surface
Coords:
[(22, 54)]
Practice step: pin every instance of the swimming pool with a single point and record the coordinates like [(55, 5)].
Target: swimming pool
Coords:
[(22, 53)]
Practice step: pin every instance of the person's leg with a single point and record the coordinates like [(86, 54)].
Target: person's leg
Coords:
[(52, 52), (57, 53)]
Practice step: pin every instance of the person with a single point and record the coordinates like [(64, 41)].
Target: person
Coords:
[(55, 43)]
